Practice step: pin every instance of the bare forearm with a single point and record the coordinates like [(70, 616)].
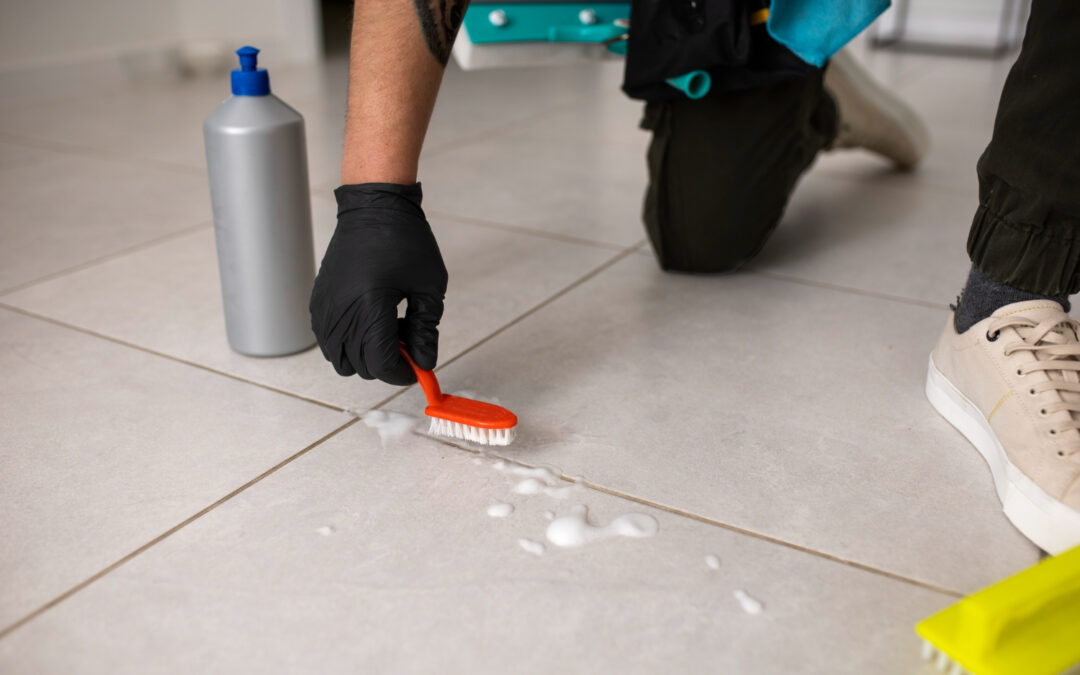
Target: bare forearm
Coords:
[(396, 60)]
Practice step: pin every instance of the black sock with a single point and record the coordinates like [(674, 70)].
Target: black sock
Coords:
[(982, 296)]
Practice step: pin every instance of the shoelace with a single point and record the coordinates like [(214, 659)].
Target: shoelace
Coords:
[(1056, 347)]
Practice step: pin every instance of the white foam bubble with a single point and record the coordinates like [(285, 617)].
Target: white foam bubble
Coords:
[(390, 426), (326, 530), (529, 486), (500, 510), (530, 546), (713, 562), (749, 604), (575, 530), (533, 486)]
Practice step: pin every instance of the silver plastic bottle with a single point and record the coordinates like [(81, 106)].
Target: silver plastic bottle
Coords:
[(257, 161)]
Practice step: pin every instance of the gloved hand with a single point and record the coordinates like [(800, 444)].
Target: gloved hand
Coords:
[(383, 251)]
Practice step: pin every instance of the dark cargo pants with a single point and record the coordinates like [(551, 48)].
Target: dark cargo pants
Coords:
[(1026, 231), (721, 169)]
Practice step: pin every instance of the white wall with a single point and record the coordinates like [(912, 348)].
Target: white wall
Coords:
[(957, 22), (37, 34)]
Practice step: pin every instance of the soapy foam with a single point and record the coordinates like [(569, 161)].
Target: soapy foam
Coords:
[(391, 426), (750, 605), (529, 486), (574, 530), (533, 486), (530, 546), (538, 480), (713, 562), (326, 530), (500, 510)]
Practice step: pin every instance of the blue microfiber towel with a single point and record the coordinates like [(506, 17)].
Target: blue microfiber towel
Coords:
[(817, 29)]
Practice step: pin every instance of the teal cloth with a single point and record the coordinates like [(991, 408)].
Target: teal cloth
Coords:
[(816, 29)]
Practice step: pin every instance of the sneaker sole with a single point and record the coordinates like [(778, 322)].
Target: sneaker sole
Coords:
[(1051, 525)]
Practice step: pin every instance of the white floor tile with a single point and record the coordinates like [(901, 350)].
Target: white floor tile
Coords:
[(876, 233), (357, 558), (62, 210), (106, 447), (791, 411), (584, 190), (786, 409), (167, 298), (959, 93), (949, 166), (16, 154)]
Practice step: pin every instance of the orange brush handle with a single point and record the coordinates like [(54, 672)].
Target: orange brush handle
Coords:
[(426, 378)]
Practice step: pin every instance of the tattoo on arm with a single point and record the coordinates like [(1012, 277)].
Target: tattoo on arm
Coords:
[(439, 21)]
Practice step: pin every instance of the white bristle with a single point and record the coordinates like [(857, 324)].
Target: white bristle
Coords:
[(466, 432), (928, 650), (941, 660)]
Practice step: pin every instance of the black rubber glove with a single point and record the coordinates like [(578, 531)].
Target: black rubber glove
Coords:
[(383, 251)]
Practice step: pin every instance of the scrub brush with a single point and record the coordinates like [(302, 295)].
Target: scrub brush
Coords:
[(459, 417), (1028, 624)]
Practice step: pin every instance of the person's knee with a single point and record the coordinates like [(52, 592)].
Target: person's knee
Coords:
[(714, 248), (708, 213), (710, 235)]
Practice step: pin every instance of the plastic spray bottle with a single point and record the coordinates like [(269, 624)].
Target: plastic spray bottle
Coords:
[(257, 161)]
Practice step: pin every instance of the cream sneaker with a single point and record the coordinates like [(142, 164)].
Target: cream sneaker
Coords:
[(1011, 385), (872, 117)]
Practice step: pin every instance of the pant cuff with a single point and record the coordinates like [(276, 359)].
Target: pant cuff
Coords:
[(1015, 241)]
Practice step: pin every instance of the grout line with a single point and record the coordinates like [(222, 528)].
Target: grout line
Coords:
[(504, 129), (536, 308), (879, 178), (107, 257), (147, 350), (521, 229), (96, 153), (497, 131), (776, 540), (776, 276), (169, 532), (710, 521)]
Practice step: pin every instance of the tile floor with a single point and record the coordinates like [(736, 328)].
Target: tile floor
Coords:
[(170, 506)]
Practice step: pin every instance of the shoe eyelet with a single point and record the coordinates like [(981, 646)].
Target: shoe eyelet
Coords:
[(1031, 391), (1043, 413), (1060, 453), (1053, 432), (992, 337), (1019, 372)]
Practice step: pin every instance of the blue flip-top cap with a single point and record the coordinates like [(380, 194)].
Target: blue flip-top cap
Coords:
[(249, 80)]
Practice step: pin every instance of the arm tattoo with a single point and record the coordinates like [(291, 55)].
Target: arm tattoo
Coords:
[(439, 21)]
